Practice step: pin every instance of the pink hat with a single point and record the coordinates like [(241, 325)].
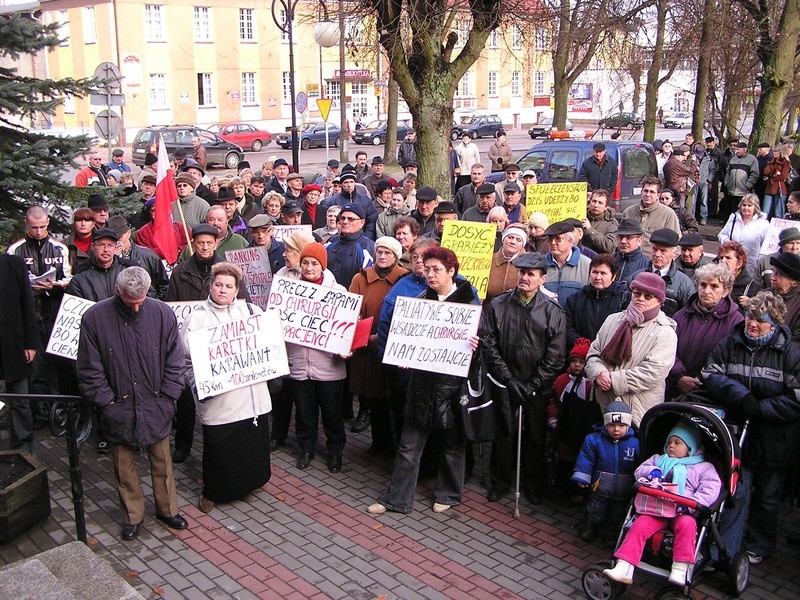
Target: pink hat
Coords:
[(650, 283)]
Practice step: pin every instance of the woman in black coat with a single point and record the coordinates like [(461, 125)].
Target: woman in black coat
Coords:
[(429, 406), (601, 297)]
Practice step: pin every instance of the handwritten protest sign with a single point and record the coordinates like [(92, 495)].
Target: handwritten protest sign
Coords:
[(281, 232), (771, 244), (558, 201), (233, 355), (316, 316), (432, 336), (67, 329), (473, 244), (257, 272), (183, 310)]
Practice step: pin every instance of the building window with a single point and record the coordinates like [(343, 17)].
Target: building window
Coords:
[(248, 88), (541, 38), (287, 88), (285, 34), (516, 37), (89, 25), (492, 83), (493, 40), (538, 83), (205, 89), (515, 83), (202, 24), (69, 104), (332, 91), (464, 88), (246, 24), (158, 91), (153, 23), (62, 19)]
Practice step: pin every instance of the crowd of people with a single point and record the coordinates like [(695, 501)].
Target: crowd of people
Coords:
[(586, 324)]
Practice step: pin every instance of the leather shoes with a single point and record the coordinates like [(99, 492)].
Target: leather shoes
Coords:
[(176, 522), (335, 464), (533, 497), (496, 494), (304, 460), (275, 444), (361, 422), (130, 532), (180, 455)]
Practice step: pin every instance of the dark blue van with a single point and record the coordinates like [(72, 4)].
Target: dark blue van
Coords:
[(560, 161)]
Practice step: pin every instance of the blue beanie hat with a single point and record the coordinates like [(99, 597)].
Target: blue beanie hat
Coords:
[(690, 435)]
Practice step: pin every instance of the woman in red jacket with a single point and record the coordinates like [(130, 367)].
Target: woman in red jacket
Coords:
[(775, 174)]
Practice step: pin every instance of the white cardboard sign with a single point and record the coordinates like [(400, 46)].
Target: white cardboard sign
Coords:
[(67, 329)]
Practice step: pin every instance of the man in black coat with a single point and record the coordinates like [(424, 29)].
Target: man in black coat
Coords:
[(134, 389), (144, 257), (18, 343), (599, 171)]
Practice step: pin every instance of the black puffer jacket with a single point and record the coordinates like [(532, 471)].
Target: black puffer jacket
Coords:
[(587, 310), (188, 284), (95, 283), (736, 372), (431, 395)]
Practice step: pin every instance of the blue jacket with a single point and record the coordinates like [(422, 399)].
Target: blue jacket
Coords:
[(608, 465), (629, 264), (348, 254), (569, 279), (343, 198)]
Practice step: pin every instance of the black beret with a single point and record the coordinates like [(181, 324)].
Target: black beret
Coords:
[(558, 228), (204, 229), (664, 237), (690, 240)]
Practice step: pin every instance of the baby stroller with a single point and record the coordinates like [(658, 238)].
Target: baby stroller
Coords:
[(722, 443)]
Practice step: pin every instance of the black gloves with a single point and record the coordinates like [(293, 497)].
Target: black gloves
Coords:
[(520, 393), (749, 406)]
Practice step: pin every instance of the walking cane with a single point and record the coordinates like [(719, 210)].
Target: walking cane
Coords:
[(519, 462)]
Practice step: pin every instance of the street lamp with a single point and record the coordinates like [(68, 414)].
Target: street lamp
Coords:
[(288, 7)]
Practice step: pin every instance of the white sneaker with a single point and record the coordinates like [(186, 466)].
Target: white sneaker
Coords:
[(376, 509), (622, 572), (440, 508), (677, 575)]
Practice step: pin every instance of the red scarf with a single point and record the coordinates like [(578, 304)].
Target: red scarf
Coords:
[(312, 212)]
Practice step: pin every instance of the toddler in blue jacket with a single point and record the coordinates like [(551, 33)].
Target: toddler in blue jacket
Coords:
[(606, 462)]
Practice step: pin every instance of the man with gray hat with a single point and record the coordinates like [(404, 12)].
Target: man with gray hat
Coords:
[(785, 282), (523, 336), (261, 233), (427, 201), (629, 253), (193, 207), (567, 267), (788, 242), (118, 161), (487, 199), (679, 287), (692, 254), (599, 171), (193, 168), (511, 171), (377, 175)]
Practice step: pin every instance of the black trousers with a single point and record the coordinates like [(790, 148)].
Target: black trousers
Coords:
[(503, 460), (313, 398), (185, 414)]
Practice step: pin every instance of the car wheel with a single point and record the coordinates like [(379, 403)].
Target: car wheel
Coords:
[(336, 143), (305, 143), (231, 160), (474, 135), (454, 135), (256, 146), (630, 126), (376, 141), (533, 136)]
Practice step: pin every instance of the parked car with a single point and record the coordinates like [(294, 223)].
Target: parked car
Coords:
[(623, 119), (544, 127), (560, 161), (218, 151), (242, 134), (312, 135), (375, 132), (477, 126)]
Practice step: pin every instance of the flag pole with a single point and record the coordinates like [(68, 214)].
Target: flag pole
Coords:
[(185, 229)]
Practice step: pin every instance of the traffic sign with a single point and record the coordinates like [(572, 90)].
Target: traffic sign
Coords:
[(107, 124), (110, 76), (301, 102), (324, 105), (107, 99)]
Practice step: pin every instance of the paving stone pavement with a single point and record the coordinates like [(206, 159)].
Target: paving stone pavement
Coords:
[(307, 535)]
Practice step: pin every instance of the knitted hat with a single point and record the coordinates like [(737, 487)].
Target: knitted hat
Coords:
[(650, 283), (316, 251), (390, 243), (115, 174), (298, 240), (516, 230), (355, 208), (539, 219), (185, 178), (618, 412), (581, 348), (689, 433)]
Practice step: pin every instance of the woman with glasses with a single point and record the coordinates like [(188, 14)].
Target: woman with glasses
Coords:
[(634, 350), (429, 407)]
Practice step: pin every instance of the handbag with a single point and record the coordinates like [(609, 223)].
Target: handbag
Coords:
[(476, 405), (791, 178), (657, 507)]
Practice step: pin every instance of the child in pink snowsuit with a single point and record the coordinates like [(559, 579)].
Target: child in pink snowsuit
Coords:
[(683, 464)]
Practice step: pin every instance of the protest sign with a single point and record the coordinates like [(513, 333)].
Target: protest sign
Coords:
[(432, 336), (771, 244), (316, 316), (67, 329), (256, 270), (238, 353), (473, 244), (558, 201), (183, 310), (281, 232)]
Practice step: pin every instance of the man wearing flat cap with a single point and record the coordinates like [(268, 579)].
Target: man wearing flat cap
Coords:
[(294, 187), (511, 171), (261, 231), (629, 253), (444, 211), (741, 177), (788, 242), (692, 254), (679, 287), (785, 282), (678, 171), (280, 171), (193, 168), (139, 255), (118, 161), (427, 201), (349, 195), (377, 175), (512, 202), (523, 336), (599, 171), (487, 200), (350, 250), (567, 268)]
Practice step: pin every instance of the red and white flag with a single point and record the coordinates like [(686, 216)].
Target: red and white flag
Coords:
[(164, 234)]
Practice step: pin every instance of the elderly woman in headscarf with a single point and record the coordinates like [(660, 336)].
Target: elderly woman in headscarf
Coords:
[(634, 350), (537, 240), (499, 217)]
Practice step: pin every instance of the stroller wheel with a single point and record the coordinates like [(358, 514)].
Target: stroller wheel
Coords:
[(599, 587), (673, 593), (739, 573)]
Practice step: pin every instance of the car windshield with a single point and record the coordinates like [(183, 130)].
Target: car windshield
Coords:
[(214, 128), (375, 125), (468, 120), (305, 127), (546, 122)]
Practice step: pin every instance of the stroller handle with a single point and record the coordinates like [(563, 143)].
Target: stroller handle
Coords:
[(679, 500)]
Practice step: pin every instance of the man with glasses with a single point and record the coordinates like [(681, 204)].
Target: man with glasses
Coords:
[(444, 211), (567, 267), (194, 208), (650, 213), (92, 174), (679, 288), (350, 250), (348, 196), (629, 250)]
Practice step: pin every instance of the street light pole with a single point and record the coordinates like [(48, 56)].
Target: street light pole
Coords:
[(288, 7)]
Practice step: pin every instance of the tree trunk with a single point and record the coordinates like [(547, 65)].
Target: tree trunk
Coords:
[(703, 69), (653, 72), (433, 148), (390, 147)]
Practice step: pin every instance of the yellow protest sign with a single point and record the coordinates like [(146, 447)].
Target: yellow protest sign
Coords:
[(473, 244), (558, 201)]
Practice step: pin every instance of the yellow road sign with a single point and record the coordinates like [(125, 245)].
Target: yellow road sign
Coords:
[(324, 105)]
